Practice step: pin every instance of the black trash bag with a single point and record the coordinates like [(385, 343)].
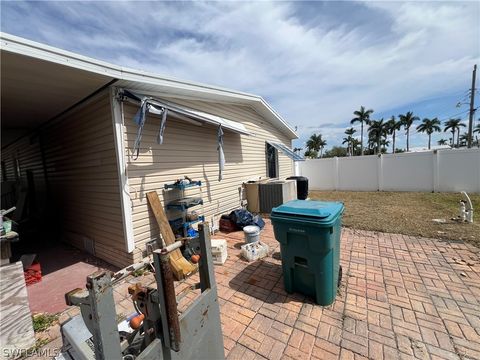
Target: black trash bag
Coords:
[(258, 221), (241, 218)]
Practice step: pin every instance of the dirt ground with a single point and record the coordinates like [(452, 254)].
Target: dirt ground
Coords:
[(408, 213)]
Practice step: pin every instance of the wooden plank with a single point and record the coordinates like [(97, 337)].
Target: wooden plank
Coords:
[(16, 332), (161, 217), (180, 266)]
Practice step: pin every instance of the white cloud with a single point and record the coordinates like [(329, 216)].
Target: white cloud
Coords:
[(380, 54)]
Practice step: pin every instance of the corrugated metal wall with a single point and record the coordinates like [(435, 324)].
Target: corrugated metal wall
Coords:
[(192, 150), (82, 175)]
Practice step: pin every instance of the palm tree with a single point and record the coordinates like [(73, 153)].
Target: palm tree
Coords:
[(322, 143), (384, 144), (451, 125), (407, 121), (362, 116), (316, 143), (458, 133), (454, 126), (372, 141), (355, 145), (297, 149), (376, 131), (476, 128), (349, 139), (463, 139), (350, 131), (429, 126), (442, 142), (311, 154), (313, 143), (393, 126)]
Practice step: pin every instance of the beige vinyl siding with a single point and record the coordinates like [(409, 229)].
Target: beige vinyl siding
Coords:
[(83, 178), (192, 150)]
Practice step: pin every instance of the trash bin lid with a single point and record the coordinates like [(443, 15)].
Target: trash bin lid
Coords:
[(302, 178), (309, 208)]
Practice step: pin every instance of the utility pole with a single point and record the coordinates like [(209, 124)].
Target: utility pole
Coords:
[(472, 110)]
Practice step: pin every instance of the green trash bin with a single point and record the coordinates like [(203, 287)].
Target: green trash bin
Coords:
[(309, 237)]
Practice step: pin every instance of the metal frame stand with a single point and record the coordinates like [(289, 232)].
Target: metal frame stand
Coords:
[(195, 334)]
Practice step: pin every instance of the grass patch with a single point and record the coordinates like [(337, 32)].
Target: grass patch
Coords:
[(39, 343), (140, 272), (42, 322), (408, 213)]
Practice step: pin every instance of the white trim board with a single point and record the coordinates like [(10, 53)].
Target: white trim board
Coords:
[(125, 200)]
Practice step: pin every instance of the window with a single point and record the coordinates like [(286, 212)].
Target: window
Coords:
[(272, 161)]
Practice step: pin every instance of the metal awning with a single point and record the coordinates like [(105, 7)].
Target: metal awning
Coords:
[(285, 150), (156, 106), (164, 108)]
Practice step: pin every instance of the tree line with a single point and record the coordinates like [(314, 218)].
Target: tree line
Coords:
[(378, 132)]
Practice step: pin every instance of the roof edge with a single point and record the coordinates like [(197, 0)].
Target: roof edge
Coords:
[(19, 45)]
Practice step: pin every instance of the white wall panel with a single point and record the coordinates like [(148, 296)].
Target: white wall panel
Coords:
[(359, 174), (444, 170), (407, 172), (320, 173), (459, 170)]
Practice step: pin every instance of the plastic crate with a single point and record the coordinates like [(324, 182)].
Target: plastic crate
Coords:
[(254, 251), (219, 251), (33, 274)]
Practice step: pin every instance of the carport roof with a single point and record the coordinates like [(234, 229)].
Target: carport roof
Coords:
[(39, 82)]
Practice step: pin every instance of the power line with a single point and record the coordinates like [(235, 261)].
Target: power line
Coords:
[(451, 116)]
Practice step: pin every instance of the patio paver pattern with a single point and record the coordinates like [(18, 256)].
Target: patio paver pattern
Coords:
[(401, 297)]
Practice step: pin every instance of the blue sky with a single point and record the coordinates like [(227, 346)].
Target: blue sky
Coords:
[(315, 62)]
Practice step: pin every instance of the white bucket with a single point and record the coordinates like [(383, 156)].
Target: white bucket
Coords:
[(252, 233)]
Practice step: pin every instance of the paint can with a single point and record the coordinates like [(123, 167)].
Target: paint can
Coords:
[(252, 233)]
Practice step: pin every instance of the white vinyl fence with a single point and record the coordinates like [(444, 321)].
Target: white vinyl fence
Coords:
[(442, 170)]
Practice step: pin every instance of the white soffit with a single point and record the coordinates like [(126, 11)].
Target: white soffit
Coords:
[(37, 83), (34, 91)]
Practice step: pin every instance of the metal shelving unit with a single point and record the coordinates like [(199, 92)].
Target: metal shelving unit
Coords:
[(181, 204)]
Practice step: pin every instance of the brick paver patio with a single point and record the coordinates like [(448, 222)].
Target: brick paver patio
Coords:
[(401, 297)]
